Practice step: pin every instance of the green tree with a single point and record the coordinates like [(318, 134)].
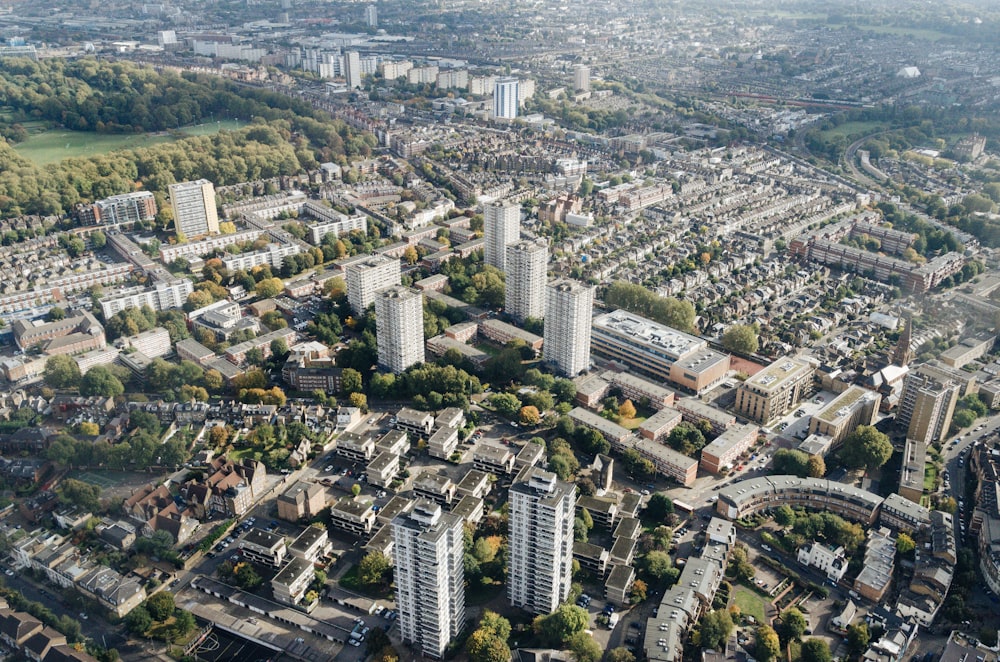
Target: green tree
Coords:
[(659, 507), (963, 418), (741, 339), (791, 461), (529, 415), (815, 466), (858, 638), (355, 489), (657, 565), (815, 650), (184, 623), (620, 654), (716, 627), (556, 628), (866, 447), (100, 381), (905, 544), (793, 624), (768, 646), (584, 648), (784, 516), (138, 621), (61, 371), (160, 605), (98, 240), (505, 403), (77, 492), (373, 569), (350, 381), (269, 288)]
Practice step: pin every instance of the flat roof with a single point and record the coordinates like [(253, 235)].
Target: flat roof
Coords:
[(647, 334), (775, 375), (843, 404), (599, 423), (730, 438)]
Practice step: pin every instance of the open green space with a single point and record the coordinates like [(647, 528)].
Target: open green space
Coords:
[(930, 477), (54, 145), (916, 33), (96, 479), (852, 129), (750, 603)]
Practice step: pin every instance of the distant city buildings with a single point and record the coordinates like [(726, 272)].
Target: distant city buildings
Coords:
[(371, 16), (429, 576), (569, 307), (526, 273), (194, 208), (352, 69), (399, 319), (581, 77)]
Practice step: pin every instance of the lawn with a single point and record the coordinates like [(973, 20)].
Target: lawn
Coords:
[(54, 145), (853, 128), (750, 603), (631, 423), (930, 476)]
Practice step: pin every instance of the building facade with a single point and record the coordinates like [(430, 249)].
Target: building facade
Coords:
[(194, 208), (429, 575), (926, 407), (399, 327), (540, 552), (501, 228), (367, 277), (526, 263), (774, 390), (569, 309), (505, 98)]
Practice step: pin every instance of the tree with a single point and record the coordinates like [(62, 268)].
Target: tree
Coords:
[(269, 287), (219, 435), (626, 410), (359, 400), (793, 624), (741, 339), (620, 654), (496, 624), (529, 415), (88, 429), (98, 240), (100, 381), (183, 623), (768, 646), (858, 637), (816, 466), (963, 418), (716, 626), (905, 544), (815, 650), (61, 371), (784, 516), (160, 605), (580, 530), (355, 489), (138, 621), (505, 403), (556, 628), (866, 447), (350, 381), (791, 461), (484, 646), (584, 648), (657, 565), (659, 506), (85, 495), (638, 592), (374, 569), (55, 314)]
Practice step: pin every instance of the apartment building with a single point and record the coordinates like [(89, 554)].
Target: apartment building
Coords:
[(568, 313), (429, 575), (163, 295), (194, 208), (926, 407), (855, 406), (775, 390), (722, 452), (526, 265), (118, 209), (399, 327), (368, 276), (540, 547)]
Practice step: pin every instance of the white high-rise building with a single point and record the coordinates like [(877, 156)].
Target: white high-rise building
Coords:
[(194, 208), (569, 308), (505, 98), (540, 548), (430, 578), (352, 69), (581, 77), (371, 16), (526, 268), (366, 278), (501, 228), (399, 328)]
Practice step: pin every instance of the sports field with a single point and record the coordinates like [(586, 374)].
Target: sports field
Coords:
[(54, 145), (220, 646)]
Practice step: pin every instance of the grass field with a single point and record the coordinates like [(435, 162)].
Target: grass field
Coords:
[(930, 477), (916, 33), (54, 145), (96, 479), (853, 128), (750, 603)]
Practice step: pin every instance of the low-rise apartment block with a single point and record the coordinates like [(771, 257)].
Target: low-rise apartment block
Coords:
[(775, 390), (353, 516), (723, 451), (855, 406)]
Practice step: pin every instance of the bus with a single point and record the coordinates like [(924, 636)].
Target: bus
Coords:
[(683, 508)]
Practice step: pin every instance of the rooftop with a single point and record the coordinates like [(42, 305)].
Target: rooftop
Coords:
[(651, 335), (842, 406), (775, 375)]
